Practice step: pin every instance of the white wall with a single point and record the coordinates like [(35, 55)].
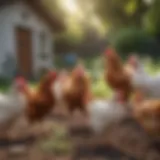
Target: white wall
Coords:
[(10, 17)]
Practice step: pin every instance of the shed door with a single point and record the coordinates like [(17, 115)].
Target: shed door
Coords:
[(24, 51)]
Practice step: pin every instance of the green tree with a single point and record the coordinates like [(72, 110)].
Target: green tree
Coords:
[(119, 13), (135, 40), (54, 7), (152, 20)]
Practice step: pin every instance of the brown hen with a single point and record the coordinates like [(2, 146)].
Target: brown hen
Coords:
[(147, 113), (115, 75), (76, 90), (41, 101)]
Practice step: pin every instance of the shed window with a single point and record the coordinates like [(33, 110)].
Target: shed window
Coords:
[(42, 44), (42, 41)]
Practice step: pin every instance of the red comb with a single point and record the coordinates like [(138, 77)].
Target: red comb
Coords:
[(52, 73), (109, 51), (80, 70)]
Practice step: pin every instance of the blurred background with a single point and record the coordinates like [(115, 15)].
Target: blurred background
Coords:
[(36, 36)]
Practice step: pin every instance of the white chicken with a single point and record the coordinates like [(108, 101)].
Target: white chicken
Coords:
[(134, 66), (140, 79), (105, 113), (12, 105)]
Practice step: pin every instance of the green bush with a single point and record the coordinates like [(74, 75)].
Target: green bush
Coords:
[(4, 84), (135, 40), (151, 19)]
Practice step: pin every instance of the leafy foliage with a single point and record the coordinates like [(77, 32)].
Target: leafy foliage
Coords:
[(116, 14), (151, 20), (54, 8), (119, 13), (135, 40)]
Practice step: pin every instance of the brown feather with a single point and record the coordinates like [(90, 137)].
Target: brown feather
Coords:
[(76, 92), (41, 101), (116, 76)]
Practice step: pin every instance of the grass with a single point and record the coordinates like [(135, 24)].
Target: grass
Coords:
[(4, 88)]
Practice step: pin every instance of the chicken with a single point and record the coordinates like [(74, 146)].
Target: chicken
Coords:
[(147, 113), (105, 113), (76, 90), (134, 66), (140, 79), (12, 105), (42, 100), (115, 75)]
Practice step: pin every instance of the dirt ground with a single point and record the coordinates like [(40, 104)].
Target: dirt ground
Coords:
[(125, 141)]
